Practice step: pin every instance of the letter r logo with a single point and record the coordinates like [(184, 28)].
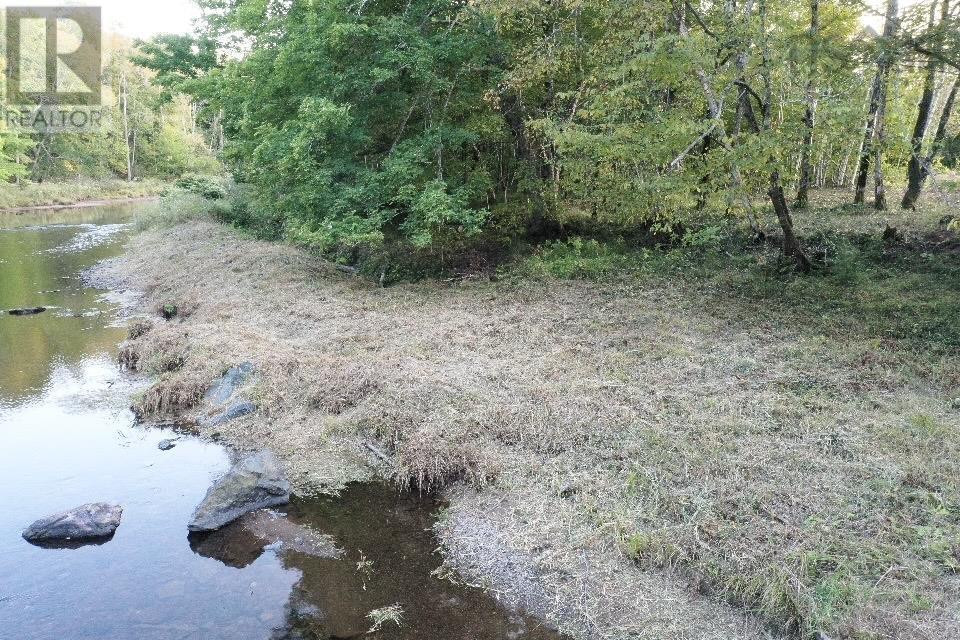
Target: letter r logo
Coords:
[(53, 55)]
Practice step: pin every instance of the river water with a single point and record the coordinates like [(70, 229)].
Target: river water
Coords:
[(67, 438)]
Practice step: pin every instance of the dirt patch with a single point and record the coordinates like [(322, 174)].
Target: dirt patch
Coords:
[(642, 439)]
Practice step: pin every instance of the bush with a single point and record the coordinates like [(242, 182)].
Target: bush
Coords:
[(206, 186), (177, 207), (579, 258)]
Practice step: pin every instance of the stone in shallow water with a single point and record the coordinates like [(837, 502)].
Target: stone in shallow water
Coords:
[(241, 542), (255, 482), (28, 311), (235, 411), (233, 378), (86, 523)]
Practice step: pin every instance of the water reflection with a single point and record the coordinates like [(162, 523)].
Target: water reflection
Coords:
[(41, 257), (388, 559), (69, 438), (311, 571)]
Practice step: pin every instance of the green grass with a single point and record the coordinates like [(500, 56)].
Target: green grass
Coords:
[(909, 294)]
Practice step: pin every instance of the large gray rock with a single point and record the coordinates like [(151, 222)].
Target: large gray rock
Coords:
[(236, 410), (233, 378), (255, 482), (88, 522)]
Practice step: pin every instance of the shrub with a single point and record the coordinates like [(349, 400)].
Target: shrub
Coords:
[(207, 186), (177, 207), (579, 258)]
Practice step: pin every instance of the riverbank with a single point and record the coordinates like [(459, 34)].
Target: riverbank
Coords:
[(83, 192), (620, 456)]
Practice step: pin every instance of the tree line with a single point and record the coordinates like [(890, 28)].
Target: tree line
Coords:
[(146, 132), (359, 122)]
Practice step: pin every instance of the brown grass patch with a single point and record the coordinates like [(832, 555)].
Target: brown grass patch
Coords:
[(808, 474), (168, 397)]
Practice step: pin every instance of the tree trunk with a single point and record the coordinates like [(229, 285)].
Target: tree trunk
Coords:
[(538, 226), (880, 129), (806, 170), (879, 143), (940, 137), (791, 246), (863, 165), (125, 90), (916, 168)]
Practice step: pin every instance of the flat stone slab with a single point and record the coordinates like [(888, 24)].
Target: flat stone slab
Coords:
[(233, 378), (86, 523), (255, 482)]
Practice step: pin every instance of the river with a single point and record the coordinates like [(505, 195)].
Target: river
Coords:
[(67, 437)]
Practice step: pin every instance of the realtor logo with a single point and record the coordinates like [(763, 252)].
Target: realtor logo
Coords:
[(53, 67)]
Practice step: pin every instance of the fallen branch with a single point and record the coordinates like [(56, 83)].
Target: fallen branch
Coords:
[(377, 452)]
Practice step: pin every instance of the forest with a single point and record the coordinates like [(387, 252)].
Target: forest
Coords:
[(149, 137), (460, 128), (455, 127)]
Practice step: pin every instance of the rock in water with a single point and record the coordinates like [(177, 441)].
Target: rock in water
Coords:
[(166, 445), (253, 483), (88, 522), (233, 378), (29, 311)]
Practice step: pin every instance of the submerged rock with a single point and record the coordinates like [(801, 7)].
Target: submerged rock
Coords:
[(241, 542), (235, 411), (233, 378), (275, 529), (253, 483), (233, 545), (28, 311), (89, 522)]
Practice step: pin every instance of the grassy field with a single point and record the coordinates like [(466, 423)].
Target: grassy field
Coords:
[(687, 442), (32, 194)]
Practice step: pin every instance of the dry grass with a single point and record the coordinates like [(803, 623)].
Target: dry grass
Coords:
[(169, 397), (67, 192), (710, 447)]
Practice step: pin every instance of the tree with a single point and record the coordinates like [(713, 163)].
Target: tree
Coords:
[(874, 136), (13, 149), (809, 120), (918, 166), (357, 124), (178, 60)]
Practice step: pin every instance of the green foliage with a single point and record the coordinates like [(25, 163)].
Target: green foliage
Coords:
[(13, 149), (579, 258), (177, 60), (211, 187), (177, 207), (358, 127), (703, 238)]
